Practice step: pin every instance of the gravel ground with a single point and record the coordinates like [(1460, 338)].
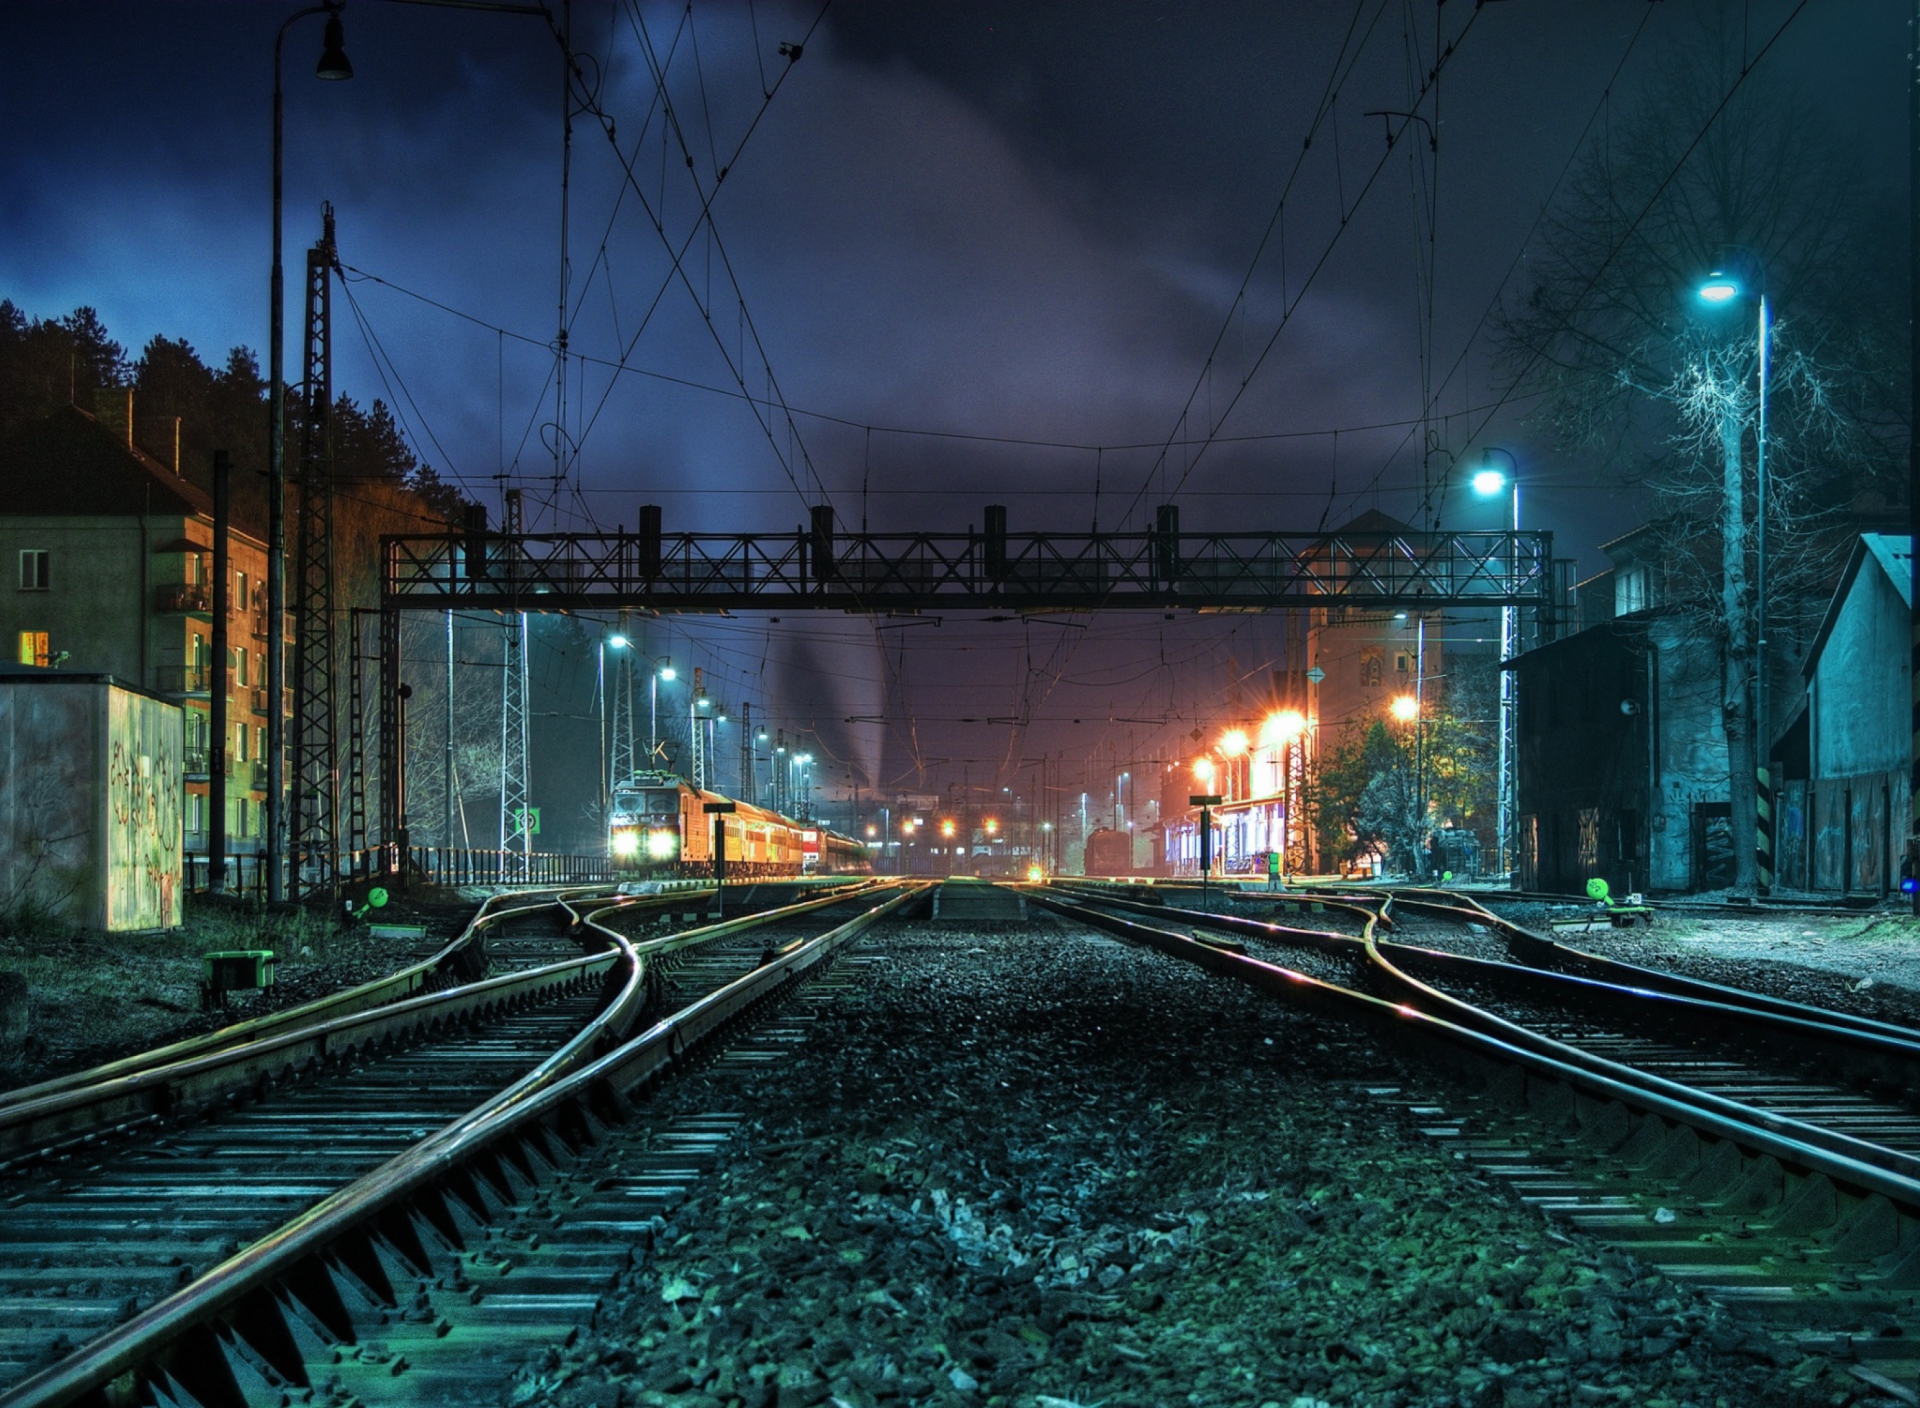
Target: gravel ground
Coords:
[(1031, 1166), (96, 997), (1867, 964)]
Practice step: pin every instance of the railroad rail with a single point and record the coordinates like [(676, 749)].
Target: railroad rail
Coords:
[(172, 1347), (1799, 1193)]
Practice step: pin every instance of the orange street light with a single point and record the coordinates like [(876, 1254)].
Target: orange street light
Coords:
[(1283, 727), (1405, 708), (1203, 769), (1233, 742)]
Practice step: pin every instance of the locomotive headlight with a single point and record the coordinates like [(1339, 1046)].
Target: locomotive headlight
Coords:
[(626, 843), (662, 844)]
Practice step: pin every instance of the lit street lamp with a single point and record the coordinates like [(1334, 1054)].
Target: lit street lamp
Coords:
[(662, 670), (1489, 483), (1721, 290), (334, 67)]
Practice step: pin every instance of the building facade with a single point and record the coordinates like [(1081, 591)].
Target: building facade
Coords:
[(109, 562)]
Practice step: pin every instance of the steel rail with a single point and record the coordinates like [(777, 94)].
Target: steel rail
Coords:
[(1601, 1103), (401, 983), (1858, 1056), (152, 1092), (242, 1297), (1390, 962), (1539, 951)]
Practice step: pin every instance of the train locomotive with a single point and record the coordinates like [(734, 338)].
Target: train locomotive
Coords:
[(657, 826)]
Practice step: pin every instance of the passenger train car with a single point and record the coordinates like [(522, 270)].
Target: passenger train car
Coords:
[(656, 826)]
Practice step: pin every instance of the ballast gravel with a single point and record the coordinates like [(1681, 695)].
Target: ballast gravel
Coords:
[(1028, 1165)]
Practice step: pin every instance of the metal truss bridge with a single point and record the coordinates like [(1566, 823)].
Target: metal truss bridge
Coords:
[(817, 568), (991, 570)]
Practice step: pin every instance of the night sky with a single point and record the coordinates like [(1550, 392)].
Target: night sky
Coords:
[(1009, 222)]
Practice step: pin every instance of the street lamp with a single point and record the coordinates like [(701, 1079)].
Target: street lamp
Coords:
[(1719, 290), (1489, 483), (333, 66), (662, 670), (610, 759), (1405, 708)]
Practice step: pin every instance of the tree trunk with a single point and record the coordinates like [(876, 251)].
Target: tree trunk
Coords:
[(1736, 678)]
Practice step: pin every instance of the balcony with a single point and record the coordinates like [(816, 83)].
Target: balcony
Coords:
[(184, 599), (181, 679), (194, 763), (257, 627), (257, 700), (254, 775)]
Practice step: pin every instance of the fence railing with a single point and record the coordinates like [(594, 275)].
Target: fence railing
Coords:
[(429, 865)]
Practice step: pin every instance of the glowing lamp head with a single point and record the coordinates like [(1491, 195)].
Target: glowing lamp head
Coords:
[(1719, 289), (1036, 874), (1283, 727), (993, 826), (1405, 708), (666, 672), (1489, 482), (626, 843), (946, 828), (1203, 769), (1233, 742), (661, 845), (618, 642), (873, 831)]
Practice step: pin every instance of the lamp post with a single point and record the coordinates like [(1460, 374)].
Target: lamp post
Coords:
[(1488, 483), (662, 670), (610, 750), (1721, 289), (333, 66)]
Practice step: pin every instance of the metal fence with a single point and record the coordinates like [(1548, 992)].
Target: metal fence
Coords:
[(246, 873)]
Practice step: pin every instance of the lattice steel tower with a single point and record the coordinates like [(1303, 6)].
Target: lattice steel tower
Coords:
[(315, 803), (516, 820), (697, 734)]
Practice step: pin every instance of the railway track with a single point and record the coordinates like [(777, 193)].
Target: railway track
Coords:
[(209, 1259), (1766, 1151)]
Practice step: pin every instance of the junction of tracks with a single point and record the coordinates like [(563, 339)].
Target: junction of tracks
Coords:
[(885, 1142)]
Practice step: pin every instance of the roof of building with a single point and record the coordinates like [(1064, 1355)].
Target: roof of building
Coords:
[(69, 463), (1891, 554), (12, 674)]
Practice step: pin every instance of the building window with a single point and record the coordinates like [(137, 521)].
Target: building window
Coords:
[(260, 740), (196, 812), (34, 649), (34, 574), (240, 743), (1630, 591), (239, 591)]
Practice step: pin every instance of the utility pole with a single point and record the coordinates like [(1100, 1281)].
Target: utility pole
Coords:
[(1913, 436), (314, 858), (516, 819), (217, 683), (746, 751)]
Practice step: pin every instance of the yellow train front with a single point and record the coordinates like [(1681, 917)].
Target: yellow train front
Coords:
[(657, 826)]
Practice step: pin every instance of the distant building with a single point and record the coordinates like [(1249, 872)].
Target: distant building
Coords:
[(1843, 805), (1622, 758), (109, 562)]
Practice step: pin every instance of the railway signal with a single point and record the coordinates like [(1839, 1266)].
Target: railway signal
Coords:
[(1206, 802)]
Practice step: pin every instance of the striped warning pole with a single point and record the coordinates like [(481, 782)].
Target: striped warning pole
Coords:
[(1763, 829)]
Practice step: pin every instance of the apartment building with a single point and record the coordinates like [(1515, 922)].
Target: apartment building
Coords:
[(108, 556)]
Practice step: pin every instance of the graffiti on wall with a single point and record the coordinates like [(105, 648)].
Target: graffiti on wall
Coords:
[(143, 812)]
